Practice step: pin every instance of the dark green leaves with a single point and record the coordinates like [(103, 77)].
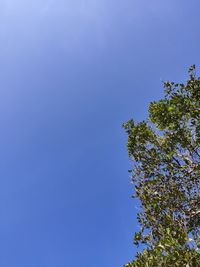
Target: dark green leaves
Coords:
[(165, 151)]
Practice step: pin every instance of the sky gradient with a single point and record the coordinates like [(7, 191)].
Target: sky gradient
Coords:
[(71, 72)]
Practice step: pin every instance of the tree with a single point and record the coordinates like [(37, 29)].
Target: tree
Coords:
[(165, 150)]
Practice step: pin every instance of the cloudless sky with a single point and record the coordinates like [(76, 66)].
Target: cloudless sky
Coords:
[(71, 72)]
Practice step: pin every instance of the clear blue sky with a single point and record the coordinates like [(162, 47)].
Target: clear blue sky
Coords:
[(71, 72)]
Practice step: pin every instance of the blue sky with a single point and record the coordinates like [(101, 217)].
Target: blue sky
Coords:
[(71, 73)]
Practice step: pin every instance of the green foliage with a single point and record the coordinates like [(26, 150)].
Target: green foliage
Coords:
[(165, 150)]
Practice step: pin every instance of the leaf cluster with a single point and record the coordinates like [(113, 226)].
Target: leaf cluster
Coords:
[(165, 151)]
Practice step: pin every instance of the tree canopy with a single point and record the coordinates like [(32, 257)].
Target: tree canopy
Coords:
[(165, 151)]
